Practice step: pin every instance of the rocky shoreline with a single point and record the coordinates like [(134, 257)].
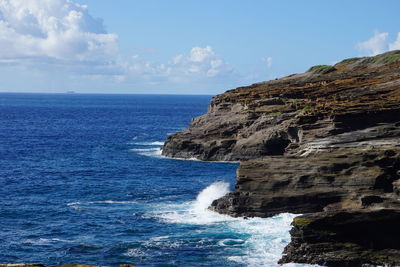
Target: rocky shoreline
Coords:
[(326, 144)]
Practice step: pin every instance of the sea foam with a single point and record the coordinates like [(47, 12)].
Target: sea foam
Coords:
[(155, 143), (195, 212), (258, 241), (78, 203), (149, 149)]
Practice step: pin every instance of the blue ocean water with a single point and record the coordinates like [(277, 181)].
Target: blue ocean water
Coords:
[(82, 181)]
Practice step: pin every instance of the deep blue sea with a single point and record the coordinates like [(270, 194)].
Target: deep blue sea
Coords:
[(82, 181)]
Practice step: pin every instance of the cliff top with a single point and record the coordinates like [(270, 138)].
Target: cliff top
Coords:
[(355, 85)]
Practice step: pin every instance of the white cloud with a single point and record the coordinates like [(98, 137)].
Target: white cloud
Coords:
[(396, 44), (268, 61), (200, 54), (61, 35), (375, 45), (199, 63), (53, 31)]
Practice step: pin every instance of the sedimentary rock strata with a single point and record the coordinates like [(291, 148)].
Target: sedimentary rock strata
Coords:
[(325, 143), (346, 238)]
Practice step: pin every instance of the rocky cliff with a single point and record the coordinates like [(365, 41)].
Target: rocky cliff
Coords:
[(325, 143)]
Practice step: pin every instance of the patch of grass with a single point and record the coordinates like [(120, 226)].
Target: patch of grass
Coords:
[(306, 110), (276, 114), (386, 58), (348, 61), (301, 221), (322, 69)]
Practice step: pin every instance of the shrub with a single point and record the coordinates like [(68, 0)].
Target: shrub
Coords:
[(276, 114), (386, 58), (322, 69)]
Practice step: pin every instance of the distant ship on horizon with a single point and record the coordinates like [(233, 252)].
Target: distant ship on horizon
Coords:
[(70, 92)]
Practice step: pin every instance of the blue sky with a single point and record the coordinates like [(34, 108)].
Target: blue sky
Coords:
[(181, 47)]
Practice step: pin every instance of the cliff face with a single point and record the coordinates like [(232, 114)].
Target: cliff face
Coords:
[(326, 142), (276, 117)]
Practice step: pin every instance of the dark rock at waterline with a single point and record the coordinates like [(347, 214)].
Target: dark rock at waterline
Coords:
[(338, 178), (325, 143), (346, 238)]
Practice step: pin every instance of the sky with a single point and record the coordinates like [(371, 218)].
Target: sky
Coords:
[(181, 46)]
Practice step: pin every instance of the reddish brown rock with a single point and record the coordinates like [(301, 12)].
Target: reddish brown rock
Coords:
[(325, 143)]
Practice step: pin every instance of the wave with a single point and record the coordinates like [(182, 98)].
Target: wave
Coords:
[(149, 152), (77, 203), (185, 159), (231, 242), (149, 149), (46, 241), (135, 252), (144, 149), (196, 159), (153, 149), (195, 212), (209, 194), (155, 143), (258, 241), (158, 238)]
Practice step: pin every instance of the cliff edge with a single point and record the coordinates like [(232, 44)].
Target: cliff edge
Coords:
[(324, 143)]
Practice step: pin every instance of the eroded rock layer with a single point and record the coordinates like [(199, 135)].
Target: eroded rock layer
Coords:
[(325, 143), (347, 238)]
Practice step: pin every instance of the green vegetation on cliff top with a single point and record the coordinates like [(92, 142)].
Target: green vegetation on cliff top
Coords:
[(385, 58), (322, 69)]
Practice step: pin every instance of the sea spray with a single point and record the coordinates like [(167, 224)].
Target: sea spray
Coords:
[(248, 242), (154, 143), (148, 149), (209, 194), (195, 212)]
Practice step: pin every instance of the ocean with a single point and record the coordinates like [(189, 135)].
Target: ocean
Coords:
[(82, 180)]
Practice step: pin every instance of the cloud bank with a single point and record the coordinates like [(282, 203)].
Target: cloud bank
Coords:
[(53, 30), (48, 35), (377, 44), (198, 64)]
